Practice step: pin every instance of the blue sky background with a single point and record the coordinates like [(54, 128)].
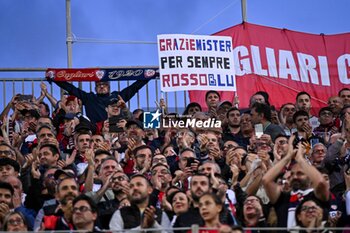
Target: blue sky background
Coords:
[(33, 33)]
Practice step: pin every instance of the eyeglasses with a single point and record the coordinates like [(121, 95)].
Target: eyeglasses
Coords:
[(5, 152), (319, 151), (163, 172), (160, 160), (183, 133), (118, 178), (250, 201), (227, 147), (308, 208), (282, 142), (326, 114), (17, 221), (262, 144), (81, 209)]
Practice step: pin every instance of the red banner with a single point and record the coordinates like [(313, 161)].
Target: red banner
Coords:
[(283, 62)]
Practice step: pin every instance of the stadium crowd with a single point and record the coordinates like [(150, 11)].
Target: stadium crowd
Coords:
[(103, 170)]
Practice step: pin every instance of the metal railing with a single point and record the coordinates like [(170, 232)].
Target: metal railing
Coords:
[(197, 229), (145, 98)]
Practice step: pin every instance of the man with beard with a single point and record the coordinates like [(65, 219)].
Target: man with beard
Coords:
[(233, 130), (95, 103), (66, 191), (286, 118), (135, 135), (140, 161), (306, 182), (141, 213), (335, 103), (200, 184)]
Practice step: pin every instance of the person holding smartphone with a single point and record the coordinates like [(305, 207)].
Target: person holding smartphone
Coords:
[(261, 118), (117, 113)]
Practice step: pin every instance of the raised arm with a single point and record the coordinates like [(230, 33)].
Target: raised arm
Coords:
[(321, 188), (128, 92), (73, 90), (52, 99), (269, 180)]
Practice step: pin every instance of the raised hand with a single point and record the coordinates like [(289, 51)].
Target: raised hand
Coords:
[(148, 217), (121, 103), (71, 158), (43, 88), (35, 169)]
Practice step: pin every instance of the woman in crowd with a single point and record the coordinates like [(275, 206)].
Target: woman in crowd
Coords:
[(15, 222), (308, 214), (179, 202)]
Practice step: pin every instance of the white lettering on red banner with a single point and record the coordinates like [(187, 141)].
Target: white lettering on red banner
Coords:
[(283, 63)]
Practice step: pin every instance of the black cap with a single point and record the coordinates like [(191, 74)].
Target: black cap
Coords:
[(59, 172), (11, 162), (220, 104), (112, 101), (325, 109), (134, 122)]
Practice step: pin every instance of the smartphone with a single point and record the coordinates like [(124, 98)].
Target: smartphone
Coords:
[(25, 97), (113, 127), (153, 201), (189, 162), (259, 130)]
